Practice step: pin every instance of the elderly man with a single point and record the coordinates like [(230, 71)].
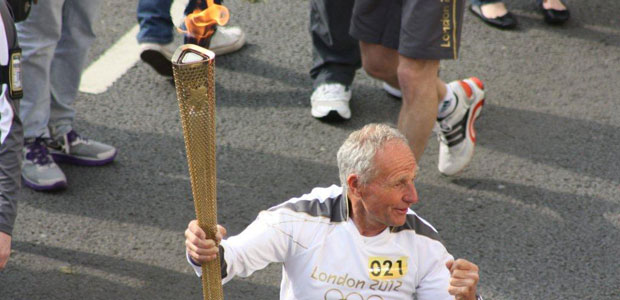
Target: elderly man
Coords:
[(361, 239)]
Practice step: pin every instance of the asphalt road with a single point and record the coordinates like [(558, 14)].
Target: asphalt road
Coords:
[(538, 209)]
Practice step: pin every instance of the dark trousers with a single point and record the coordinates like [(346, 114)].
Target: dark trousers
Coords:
[(335, 54)]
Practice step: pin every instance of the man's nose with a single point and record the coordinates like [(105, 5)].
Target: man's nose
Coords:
[(411, 196)]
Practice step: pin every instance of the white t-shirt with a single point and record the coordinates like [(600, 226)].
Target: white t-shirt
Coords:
[(325, 257)]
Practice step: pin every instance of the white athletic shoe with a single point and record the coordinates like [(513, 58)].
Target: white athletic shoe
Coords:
[(392, 91), (331, 101), (226, 40), (456, 134)]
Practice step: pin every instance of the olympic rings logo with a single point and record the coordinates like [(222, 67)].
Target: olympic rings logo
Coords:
[(339, 295)]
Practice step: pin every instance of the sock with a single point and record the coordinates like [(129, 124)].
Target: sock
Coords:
[(447, 104)]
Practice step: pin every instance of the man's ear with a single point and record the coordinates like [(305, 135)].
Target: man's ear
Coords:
[(354, 185)]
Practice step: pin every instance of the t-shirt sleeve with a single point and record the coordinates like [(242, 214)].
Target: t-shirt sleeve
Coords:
[(435, 276), (266, 240)]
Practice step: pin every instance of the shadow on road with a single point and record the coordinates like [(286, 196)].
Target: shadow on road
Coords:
[(262, 67), (541, 236), (552, 140), (93, 276), (141, 187)]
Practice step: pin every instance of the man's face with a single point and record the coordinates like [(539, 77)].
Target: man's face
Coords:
[(387, 197)]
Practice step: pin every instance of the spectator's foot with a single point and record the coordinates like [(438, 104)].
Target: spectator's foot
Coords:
[(39, 171), (554, 11), (456, 133), (330, 102), (392, 91), (73, 149), (226, 40), (495, 14), (158, 57)]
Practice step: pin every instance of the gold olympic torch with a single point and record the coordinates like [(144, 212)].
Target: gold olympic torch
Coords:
[(193, 68)]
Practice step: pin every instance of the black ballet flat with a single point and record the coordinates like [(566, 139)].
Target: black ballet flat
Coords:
[(507, 21), (554, 17)]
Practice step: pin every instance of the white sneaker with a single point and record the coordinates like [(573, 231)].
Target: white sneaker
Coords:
[(456, 134), (331, 101), (158, 57), (392, 91), (226, 40)]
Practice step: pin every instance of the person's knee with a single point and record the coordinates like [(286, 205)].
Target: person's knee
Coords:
[(418, 81), (377, 69), (417, 70), (34, 42), (378, 61)]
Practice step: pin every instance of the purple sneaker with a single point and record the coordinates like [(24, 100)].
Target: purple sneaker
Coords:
[(39, 172), (73, 149)]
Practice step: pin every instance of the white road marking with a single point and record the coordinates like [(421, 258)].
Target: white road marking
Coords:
[(114, 62)]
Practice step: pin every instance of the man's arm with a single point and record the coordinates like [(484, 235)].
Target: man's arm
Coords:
[(268, 239)]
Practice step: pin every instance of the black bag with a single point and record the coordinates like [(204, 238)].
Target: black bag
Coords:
[(20, 9)]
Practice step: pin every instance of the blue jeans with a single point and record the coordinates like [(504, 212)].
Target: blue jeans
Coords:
[(155, 21)]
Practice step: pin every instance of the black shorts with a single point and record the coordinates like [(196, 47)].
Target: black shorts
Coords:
[(420, 29)]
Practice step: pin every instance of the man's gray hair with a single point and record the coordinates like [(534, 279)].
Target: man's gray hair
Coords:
[(356, 155)]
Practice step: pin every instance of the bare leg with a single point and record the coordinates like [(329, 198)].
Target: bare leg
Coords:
[(380, 62), (420, 85), (421, 90)]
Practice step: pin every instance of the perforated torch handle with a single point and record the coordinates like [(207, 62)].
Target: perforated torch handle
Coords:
[(195, 86)]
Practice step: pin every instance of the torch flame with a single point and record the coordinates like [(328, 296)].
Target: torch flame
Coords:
[(201, 23)]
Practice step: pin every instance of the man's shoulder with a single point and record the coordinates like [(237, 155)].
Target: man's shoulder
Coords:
[(327, 202)]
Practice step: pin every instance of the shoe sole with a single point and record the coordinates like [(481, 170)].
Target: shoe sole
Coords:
[(62, 158), (332, 117), (53, 187), (157, 61)]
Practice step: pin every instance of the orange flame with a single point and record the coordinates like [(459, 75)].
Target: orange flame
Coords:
[(201, 23)]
